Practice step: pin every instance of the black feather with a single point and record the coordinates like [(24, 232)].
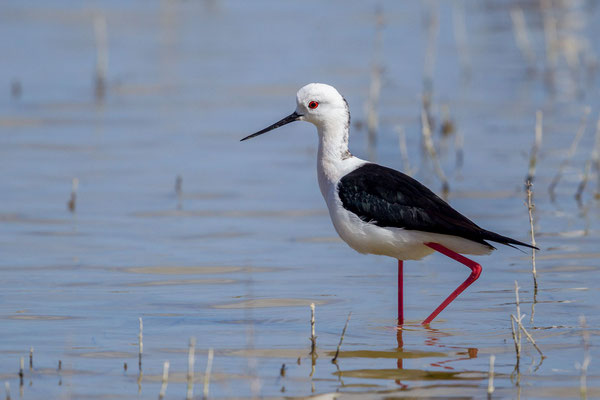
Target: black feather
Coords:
[(389, 198)]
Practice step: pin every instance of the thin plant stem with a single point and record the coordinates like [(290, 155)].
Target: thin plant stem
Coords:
[(514, 335), (571, 152), (587, 358), (530, 208), (428, 143), (403, 151), (337, 352), (490, 388), (522, 37), (535, 148), (207, 373), (165, 381), (528, 336), (190, 373), (518, 312), (140, 343), (313, 337)]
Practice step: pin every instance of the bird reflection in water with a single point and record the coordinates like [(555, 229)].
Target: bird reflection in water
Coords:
[(433, 337)]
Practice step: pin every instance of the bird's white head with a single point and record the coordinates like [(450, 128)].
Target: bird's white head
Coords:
[(319, 104)]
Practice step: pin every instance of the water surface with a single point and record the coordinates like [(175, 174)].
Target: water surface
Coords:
[(236, 258)]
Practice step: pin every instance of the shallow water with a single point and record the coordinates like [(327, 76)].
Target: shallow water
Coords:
[(236, 259)]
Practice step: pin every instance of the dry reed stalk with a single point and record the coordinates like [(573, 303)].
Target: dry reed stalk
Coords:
[(59, 371), (490, 388), (528, 336), (375, 87), (520, 328), (459, 145), (101, 36), (190, 373), (140, 343), (16, 89), (428, 143), (372, 105), (530, 207), (207, 372), (255, 383), (31, 358), (403, 151), (21, 371), (573, 46), (337, 352), (179, 191), (580, 131), (596, 157), (139, 381), (313, 337), (7, 388), (533, 303), (587, 358), (593, 161), (571, 49), (72, 203), (522, 37), (447, 128), (165, 381), (587, 169), (571, 152), (178, 185), (550, 38), (514, 335), (460, 35), (432, 27), (537, 143), (518, 310)]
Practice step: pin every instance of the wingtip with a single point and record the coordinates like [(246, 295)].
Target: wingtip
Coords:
[(521, 244), (494, 237), (525, 245)]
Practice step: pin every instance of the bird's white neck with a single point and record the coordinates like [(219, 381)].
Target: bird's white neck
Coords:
[(333, 139), (333, 152)]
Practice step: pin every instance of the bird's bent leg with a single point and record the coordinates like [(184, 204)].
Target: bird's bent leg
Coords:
[(400, 293), (475, 272)]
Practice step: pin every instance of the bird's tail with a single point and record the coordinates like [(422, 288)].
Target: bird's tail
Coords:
[(494, 237)]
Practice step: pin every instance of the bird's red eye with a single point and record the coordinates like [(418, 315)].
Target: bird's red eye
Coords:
[(313, 104)]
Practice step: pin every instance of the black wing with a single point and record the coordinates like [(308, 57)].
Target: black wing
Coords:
[(388, 198)]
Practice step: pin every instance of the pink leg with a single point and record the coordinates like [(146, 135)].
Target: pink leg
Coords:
[(400, 293), (475, 272)]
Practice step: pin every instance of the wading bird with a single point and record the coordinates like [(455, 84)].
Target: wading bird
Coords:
[(378, 210)]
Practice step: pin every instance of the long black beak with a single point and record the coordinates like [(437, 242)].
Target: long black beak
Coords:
[(290, 118)]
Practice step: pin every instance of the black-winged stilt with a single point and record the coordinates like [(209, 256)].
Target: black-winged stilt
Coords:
[(378, 210)]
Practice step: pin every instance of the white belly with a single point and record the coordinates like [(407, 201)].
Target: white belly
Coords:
[(399, 243)]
